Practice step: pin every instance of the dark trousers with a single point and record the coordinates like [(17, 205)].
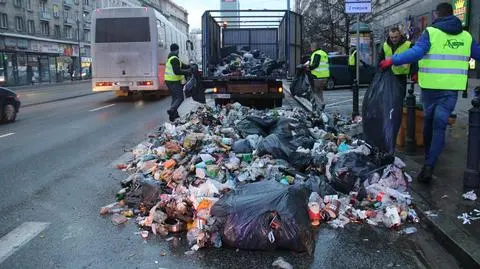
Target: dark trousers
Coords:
[(438, 105), (176, 91), (402, 79)]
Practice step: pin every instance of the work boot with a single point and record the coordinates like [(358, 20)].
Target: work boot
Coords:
[(171, 116), (426, 175)]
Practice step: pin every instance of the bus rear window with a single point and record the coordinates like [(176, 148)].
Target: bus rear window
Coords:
[(117, 30)]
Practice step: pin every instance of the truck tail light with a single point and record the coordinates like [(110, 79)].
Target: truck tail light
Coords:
[(280, 90), (104, 84), (145, 83), (215, 90)]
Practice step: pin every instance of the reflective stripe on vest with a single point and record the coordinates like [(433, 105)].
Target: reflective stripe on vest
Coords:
[(445, 67), (169, 74), (351, 58), (323, 69), (400, 69)]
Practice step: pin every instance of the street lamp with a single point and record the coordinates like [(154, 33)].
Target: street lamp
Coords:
[(79, 51)]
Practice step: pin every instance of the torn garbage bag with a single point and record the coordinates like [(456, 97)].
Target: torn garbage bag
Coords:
[(348, 168), (266, 215), (382, 112)]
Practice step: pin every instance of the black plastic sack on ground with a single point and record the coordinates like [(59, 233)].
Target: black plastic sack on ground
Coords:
[(350, 167), (264, 123), (247, 127), (283, 128), (382, 111), (242, 146), (319, 185), (300, 160), (305, 142), (272, 145), (266, 215)]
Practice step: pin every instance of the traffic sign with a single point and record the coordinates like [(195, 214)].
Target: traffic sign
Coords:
[(358, 6)]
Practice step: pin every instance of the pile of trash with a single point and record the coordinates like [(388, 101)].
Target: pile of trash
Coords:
[(249, 63), (252, 179)]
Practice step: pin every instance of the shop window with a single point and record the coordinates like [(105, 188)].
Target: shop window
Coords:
[(31, 27), (56, 31), (3, 21), (68, 32), (45, 27), (19, 24), (56, 11)]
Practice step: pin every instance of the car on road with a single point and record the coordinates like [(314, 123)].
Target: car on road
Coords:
[(9, 105), (341, 76)]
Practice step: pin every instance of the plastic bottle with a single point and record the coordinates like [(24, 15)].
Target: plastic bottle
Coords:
[(378, 194), (314, 208)]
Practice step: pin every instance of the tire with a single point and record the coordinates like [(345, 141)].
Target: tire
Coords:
[(9, 113), (330, 84)]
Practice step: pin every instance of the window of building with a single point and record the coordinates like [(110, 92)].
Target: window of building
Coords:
[(29, 4), (86, 35), (19, 24), (43, 6), (31, 27), (77, 2), (56, 31), (3, 21), (45, 28), (86, 2), (68, 32), (17, 3), (56, 11)]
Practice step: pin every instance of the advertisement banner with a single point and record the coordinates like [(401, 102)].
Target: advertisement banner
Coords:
[(461, 8)]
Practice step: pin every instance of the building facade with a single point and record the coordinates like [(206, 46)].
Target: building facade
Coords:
[(413, 17), (230, 5), (40, 41)]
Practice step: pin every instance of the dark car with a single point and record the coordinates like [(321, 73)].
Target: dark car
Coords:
[(341, 75), (9, 105)]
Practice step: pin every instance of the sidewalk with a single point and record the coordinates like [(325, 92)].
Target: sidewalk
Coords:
[(440, 203), (43, 85)]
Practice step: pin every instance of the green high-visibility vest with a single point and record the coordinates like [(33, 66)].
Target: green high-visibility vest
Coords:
[(445, 67), (351, 58), (322, 70), (401, 69), (169, 74)]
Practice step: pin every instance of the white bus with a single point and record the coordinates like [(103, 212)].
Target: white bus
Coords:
[(130, 48)]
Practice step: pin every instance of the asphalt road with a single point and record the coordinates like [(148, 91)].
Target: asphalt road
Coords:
[(56, 171)]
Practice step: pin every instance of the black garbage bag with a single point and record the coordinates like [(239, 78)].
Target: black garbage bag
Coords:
[(303, 141), (319, 185), (273, 145), (300, 160), (266, 215), (300, 86), (283, 128), (382, 111), (265, 123), (188, 87), (350, 168), (247, 127), (242, 146)]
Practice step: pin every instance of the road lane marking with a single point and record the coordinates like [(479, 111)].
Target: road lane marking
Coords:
[(342, 102), (5, 135), (15, 239), (95, 109)]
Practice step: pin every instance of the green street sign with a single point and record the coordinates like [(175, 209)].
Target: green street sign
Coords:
[(461, 8)]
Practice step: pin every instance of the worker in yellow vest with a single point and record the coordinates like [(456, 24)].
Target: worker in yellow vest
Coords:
[(444, 50), (396, 43), (175, 72), (319, 74), (352, 61)]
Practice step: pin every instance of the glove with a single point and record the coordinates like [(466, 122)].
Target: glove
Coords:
[(414, 78), (385, 64)]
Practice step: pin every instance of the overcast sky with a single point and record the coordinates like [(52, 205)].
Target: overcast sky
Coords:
[(196, 8)]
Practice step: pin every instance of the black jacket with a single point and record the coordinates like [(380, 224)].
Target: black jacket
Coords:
[(381, 54)]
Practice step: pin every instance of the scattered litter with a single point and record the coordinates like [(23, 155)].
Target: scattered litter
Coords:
[(281, 264), (470, 196), (430, 213), (445, 196), (409, 230)]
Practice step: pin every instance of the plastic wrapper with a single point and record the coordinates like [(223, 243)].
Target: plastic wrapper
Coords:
[(266, 215), (382, 122)]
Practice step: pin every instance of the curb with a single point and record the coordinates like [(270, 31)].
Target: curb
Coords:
[(465, 249), (42, 86), (59, 99)]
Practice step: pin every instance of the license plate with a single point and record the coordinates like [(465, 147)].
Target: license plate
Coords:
[(222, 96)]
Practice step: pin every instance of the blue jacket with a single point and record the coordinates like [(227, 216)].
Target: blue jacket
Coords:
[(450, 25)]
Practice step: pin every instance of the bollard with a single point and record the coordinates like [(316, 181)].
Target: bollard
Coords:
[(410, 140), (355, 110), (471, 178)]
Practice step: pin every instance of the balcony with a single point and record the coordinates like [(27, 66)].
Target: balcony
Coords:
[(87, 8), (68, 3), (45, 15), (87, 25), (69, 21)]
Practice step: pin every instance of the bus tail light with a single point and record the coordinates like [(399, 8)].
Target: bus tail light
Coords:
[(104, 84), (145, 83)]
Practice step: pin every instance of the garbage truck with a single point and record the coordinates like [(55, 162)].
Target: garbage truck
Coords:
[(229, 32)]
